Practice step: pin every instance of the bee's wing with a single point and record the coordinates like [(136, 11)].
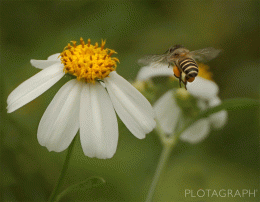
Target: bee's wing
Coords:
[(156, 59), (205, 54)]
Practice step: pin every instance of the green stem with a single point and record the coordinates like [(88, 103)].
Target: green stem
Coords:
[(162, 161), (168, 145), (63, 172)]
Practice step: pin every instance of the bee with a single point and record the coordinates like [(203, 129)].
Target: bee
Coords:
[(184, 61)]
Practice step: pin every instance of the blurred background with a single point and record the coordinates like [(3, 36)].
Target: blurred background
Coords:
[(227, 159)]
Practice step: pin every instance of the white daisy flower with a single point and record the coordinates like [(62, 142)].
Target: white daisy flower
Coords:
[(168, 112), (87, 103)]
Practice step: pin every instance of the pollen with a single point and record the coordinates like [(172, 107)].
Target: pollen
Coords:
[(176, 71), (204, 72), (88, 62)]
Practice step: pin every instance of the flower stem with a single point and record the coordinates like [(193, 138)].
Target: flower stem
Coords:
[(63, 172), (162, 161)]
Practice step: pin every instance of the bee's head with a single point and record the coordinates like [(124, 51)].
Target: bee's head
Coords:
[(178, 51), (175, 47)]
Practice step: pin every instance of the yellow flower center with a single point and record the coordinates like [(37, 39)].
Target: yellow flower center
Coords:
[(88, 62), (204, 71)]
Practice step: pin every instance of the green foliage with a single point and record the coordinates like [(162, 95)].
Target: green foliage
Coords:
[(232, 104), (229, 105), (82, 186)]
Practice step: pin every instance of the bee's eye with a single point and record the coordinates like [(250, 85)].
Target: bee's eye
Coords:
[(176, 54)]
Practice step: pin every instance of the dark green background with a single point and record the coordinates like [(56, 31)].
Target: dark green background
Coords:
[(227, 159)]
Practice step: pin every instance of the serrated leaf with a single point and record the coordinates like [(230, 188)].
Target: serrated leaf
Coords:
[(82, 186)]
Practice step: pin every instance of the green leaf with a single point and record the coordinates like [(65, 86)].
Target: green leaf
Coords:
[(230, 105), (82, 186)]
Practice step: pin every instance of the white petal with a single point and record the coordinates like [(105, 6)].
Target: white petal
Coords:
[(42, 64), (203, 88), (219, 119), (98, 122), (54, 57), (131, 106), (33, 87), (167, 112), (202, 104), (60, 122), (148, 72), (196, 132)]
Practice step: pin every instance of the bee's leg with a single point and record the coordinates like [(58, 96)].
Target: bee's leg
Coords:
[(185, 82), (180, 79), (169, 65)]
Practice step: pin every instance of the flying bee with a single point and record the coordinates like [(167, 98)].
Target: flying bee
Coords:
[(184, 61)]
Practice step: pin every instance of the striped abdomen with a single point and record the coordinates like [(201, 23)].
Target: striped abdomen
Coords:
[(189, 67)]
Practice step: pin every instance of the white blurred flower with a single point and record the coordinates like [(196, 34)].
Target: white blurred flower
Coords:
[(87, 103), (169, 114)]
